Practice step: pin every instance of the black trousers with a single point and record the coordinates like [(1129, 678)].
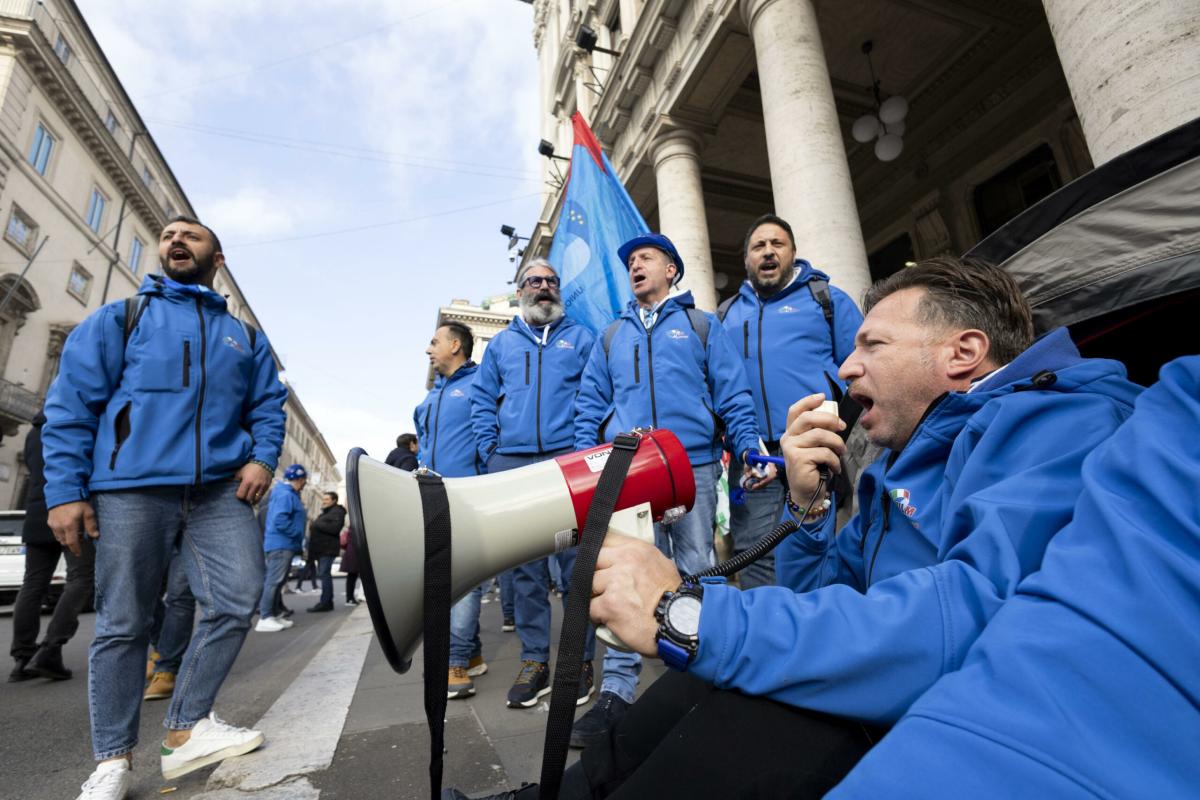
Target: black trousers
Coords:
[(685, 738), (40, 561), (351, 583)]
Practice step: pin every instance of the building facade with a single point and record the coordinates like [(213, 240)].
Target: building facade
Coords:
[(84, 192), (716, 111)]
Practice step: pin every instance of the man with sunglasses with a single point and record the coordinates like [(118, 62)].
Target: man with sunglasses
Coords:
[(522, 412)]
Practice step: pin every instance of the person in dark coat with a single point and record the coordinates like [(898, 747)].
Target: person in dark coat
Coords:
[(405, 455), (349, 565), (324, 542), (42, 552)]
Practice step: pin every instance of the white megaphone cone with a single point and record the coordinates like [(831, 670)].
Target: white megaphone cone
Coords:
[(496, 522)]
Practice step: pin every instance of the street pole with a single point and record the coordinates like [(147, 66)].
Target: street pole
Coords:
[(13, 289), (117, 234)]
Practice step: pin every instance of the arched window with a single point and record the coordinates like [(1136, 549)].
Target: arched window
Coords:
[(17, 301)]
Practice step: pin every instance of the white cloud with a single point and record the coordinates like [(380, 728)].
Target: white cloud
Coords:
[(253, 212)]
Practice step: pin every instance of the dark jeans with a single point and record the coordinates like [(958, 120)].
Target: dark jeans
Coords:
[(309, 572), (351, 583), (325, 571), (40, 561), (179, 617), (685, 738)]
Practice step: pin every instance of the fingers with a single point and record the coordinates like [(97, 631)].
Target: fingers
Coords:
[(802, 405), (90, 524), (71, 542)]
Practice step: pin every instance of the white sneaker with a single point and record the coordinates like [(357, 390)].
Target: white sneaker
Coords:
[(110, 781), (285, 622), (212, 740), (270, 625)]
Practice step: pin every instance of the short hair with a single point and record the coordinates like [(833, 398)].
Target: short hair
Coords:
[(966, 293), (463, 334), (533, 262), (767, 219), (405, 439), (194, 221), (333, 495)]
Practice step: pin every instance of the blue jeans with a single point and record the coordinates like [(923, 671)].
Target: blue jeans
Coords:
[(220, 551), (325, 571), (689, 541), (464, 626), (270, 603), (507, 598), (531, 581), (752, 520), (179, 615)]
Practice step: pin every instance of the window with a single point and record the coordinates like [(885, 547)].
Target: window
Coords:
[(43, 146), (79, 285), (135, 254), (169, 210), (1015, 188), (62, 49), (146, 179), (111, 123), (95, 212), (21, 230)]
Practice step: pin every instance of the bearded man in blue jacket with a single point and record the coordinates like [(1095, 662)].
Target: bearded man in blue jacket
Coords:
[(984, 433), (523, 412), (1084, 685), (162, 428), (446, 445), (664, 364), (791, 328)]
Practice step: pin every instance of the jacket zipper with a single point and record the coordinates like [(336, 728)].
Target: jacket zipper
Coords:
[(637, 367), (762, 376), (437, 418), (121, 431), (187, 363), (539, 397), (526, 367), (203, 382), (650, 374), (746, 339)]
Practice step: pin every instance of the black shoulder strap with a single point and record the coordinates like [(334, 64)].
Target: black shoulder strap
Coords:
[(609, 333), (819, 288), (699, 322), (134, 308), (435, 507), (723, 309), (569, 664)]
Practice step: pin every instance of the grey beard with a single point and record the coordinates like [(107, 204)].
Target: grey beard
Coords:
[(537, 314)]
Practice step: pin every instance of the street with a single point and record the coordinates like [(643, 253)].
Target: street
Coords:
[(339, 722)]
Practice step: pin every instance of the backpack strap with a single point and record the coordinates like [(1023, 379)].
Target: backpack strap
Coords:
[(723, 309), (819, 288), (609, 333), (699, 322), (134, 308), (251, 333)]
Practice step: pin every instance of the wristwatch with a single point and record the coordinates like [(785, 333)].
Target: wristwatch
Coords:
[(678, 616)]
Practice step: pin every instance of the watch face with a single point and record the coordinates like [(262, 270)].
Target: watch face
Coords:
[(684, 614)]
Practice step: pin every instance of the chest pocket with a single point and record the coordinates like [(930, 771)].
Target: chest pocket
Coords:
[(170, 367)]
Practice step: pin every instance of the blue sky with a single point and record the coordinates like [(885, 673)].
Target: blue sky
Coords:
[(357, 160)]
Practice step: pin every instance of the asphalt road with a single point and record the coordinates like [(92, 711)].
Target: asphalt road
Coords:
[(45, 745)]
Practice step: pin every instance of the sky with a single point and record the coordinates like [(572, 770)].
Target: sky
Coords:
[(357, 159)]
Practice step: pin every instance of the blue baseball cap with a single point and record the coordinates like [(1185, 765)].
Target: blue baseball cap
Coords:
[(656, 240), (294, 472)]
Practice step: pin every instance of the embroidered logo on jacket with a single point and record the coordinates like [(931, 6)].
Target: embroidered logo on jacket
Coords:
[(563, 344), (903, 500), (787, 310), (234, 343), (457, 393), (675, 333)]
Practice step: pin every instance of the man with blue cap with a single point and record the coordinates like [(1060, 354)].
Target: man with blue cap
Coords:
[(663, 364), (284, 537)]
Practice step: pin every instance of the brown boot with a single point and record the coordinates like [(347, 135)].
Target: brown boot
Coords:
[(162, 686), (150, 662), (459, 684)]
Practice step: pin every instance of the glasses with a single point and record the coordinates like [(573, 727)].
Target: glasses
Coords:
[(536, 281)]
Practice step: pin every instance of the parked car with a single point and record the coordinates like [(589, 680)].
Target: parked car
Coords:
[(12, 564)]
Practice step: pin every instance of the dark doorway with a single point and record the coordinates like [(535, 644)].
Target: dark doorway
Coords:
[(892, 257), (1015, 188)]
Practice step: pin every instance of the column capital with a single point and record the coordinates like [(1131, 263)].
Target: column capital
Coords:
[(750, 9), (674, 143)]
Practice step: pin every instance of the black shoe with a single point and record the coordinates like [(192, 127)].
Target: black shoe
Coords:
[(20, 672), (322, 607), (47, 662), (532, 682), (287, 612), (528, 791), (587, 683), (593, 727), (508, 626)]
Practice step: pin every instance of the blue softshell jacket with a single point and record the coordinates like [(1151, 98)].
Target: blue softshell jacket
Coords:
[(285, 520), (863, 623), (1085, 685), (785, 343), (184, 402), (523, 398), (669, 379), (445, 440)]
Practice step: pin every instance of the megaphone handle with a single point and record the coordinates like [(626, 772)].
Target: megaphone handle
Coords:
[(611, 639)]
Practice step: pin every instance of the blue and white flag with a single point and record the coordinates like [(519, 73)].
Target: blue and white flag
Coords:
[(597, 217)]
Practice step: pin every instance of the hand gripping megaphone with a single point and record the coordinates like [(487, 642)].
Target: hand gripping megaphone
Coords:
[(497, 522)]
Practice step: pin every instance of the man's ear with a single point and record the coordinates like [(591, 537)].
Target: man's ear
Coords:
[(675, 272), (968, 356)]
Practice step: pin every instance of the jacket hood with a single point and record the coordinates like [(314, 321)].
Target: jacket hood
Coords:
[(683, 300), (805, 272), (162, 286)]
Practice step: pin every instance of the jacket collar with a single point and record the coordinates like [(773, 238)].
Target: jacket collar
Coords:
[(519, 325), (805, 272), (168, 289), (468, 368), (683, 301)]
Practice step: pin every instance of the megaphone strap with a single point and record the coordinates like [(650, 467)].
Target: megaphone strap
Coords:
[(435, 506), (569, 663)]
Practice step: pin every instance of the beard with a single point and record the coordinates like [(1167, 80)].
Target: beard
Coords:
[(196, 272), (767, 288), (542, 308)]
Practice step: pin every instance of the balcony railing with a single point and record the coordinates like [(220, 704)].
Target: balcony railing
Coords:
[(17, 402)]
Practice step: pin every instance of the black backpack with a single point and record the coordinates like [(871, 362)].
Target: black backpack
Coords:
[(136, 306)]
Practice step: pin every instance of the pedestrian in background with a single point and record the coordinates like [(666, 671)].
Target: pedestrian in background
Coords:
[(350, 566), (323, 544), (283, 539), (404, 456), (42, 553), (174, 632)]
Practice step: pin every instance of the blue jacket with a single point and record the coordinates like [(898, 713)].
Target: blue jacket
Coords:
[(785, 343), (669, 379), (184, 402), (285, 520), (1085, 685), (445, 440), (523, 398), (947, 527)]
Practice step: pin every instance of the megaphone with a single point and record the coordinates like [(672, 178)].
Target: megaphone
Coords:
[(497, 522)]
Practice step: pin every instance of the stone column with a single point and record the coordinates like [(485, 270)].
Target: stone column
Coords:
[(681, 215), (1133, 67), (810, 177)]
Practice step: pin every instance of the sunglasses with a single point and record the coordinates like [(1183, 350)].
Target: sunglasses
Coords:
[(536, 281)]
